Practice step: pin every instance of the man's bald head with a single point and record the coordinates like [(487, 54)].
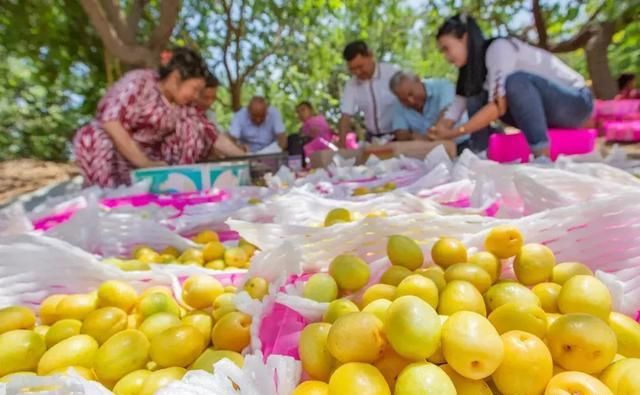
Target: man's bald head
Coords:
[(258, 107)]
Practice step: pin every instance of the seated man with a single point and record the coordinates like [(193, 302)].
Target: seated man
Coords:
[(420, 104), (258, 125)]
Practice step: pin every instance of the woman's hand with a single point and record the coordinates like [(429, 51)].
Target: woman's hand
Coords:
[(442, 133), (224, 145)]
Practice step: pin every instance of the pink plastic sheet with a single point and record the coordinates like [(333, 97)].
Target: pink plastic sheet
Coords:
[(280, 331), (177, 201)]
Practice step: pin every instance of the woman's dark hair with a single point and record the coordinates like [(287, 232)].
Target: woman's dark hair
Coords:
[(305, 103), (624, 79), (211, 81), (472, 75), (354, 49), (187, 62)]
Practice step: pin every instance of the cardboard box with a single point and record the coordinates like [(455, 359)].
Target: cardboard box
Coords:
[(320, 159), (197, 177), (412, 149)]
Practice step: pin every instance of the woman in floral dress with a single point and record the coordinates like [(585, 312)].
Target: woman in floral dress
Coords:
[(145, 120)]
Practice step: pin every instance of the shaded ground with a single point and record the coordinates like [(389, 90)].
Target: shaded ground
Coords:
[(26, 175)]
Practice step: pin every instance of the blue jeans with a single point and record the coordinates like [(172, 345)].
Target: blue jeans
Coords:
[(535, 104), (479, 140)]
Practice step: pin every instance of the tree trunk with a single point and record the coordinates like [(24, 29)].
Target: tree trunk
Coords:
[(119, 35), (596, 50), (235, 88)]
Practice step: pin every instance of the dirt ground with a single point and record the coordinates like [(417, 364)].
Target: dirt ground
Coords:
[(22, 176)]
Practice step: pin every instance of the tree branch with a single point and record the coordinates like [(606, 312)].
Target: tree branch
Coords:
[(520, 35), (134, 17), (114, 15), (268, 52), (131, 54), (239, 32), (580, 39), (574, 43), (169, 10), (227, 41), (541, 24)]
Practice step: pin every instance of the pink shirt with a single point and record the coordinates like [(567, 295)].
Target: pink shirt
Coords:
[(317, 126)]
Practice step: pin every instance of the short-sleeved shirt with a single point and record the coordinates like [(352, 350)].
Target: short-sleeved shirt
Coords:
[(373, 97), (507, 56), (317, 126), (256, 137), (440, 94)]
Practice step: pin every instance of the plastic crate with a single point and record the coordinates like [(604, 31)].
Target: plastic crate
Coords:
[(506, 148), (615, 109), (192, 178), (623, 131)]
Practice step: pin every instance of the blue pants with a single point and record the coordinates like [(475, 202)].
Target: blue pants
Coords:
[(535, 104), (479, 140)]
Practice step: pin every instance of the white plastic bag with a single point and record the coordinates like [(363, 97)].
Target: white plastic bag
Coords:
[(213, 215), (524, 189), (278, 376), (71, 384), (33, 267), (319, 245), (438, 175), (110, 234), (542, 189), (14, 220), (303, 208), (438, 156)]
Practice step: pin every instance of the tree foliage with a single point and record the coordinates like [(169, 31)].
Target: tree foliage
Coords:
[(59, 58), (53, 69)]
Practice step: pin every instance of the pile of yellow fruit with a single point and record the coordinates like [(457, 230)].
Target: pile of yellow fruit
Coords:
[(131, 343), (456, 327), (212, 254)]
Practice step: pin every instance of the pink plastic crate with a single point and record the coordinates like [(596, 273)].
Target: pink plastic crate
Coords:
[(505, 148), (178, 201), (320, 144), (615, 109), (628, 131)]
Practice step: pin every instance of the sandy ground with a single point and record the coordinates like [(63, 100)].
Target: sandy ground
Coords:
[(26, 175)]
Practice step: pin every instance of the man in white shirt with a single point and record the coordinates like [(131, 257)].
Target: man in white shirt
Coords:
[(367, 91)]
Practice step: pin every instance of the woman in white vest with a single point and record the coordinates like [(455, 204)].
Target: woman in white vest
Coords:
[(505, 78)]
